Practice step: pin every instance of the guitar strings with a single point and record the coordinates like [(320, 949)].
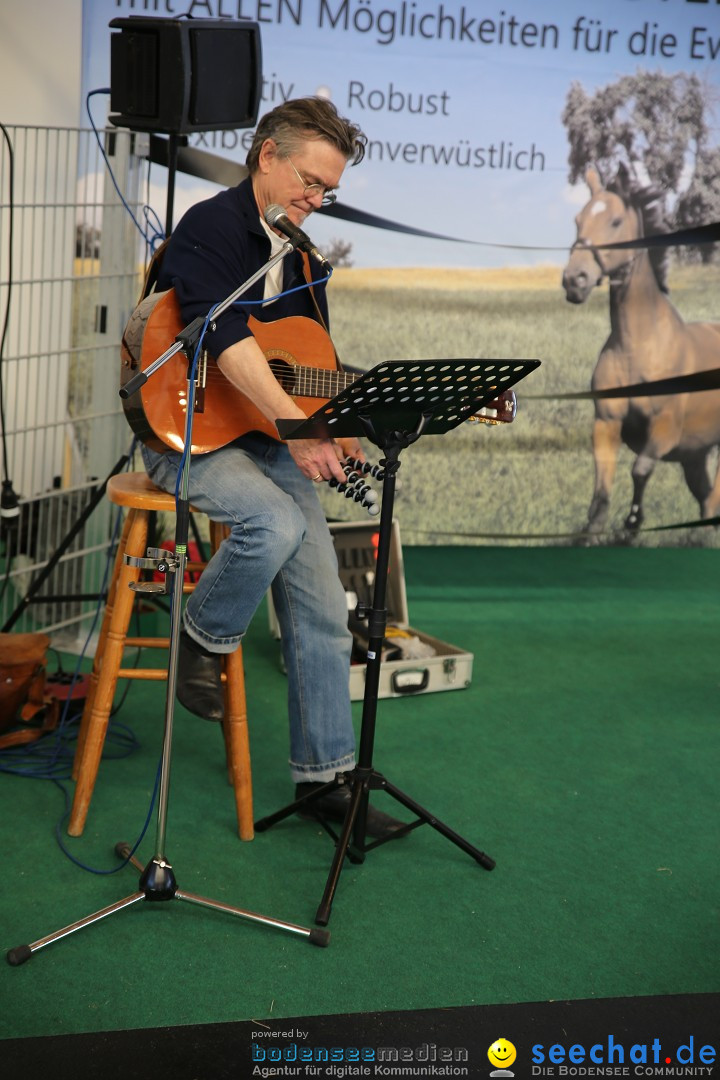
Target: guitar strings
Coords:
[(308, 382)]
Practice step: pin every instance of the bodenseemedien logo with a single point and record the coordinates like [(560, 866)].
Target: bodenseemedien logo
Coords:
[(501, 1054)]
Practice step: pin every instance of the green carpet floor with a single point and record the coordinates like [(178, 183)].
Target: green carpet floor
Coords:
[(582, 758)]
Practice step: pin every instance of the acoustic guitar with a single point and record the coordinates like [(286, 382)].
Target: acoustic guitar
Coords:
[(298, 350)]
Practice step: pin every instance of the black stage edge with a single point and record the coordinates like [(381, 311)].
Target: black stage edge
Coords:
[(619, 1032)]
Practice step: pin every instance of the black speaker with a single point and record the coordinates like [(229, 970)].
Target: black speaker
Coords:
[(183, 75)]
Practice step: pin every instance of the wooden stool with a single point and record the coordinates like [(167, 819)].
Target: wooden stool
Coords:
[(137, 492)]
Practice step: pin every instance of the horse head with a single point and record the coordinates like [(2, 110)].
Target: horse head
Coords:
[(609, 217)]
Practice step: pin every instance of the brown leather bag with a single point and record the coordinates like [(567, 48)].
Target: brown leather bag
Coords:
[(22, 689)]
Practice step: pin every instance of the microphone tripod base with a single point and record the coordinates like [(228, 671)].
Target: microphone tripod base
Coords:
[(157, 882)]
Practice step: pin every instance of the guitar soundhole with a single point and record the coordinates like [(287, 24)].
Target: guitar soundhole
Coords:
[(284, 373)]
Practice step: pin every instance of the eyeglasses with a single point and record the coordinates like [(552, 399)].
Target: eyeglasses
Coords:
[(328, 196)]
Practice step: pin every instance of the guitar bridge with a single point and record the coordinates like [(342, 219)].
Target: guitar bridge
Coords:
[(200, 382)]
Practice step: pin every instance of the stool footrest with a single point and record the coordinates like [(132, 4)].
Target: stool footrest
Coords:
[(147, 674), (152, 674), (148, 642)]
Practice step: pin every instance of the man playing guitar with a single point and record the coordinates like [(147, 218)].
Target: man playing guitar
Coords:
[(260, 487)]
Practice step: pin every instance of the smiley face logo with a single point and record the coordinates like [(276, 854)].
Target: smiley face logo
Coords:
[(502, 1053)]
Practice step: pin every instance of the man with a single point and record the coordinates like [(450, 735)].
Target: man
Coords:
[(261, 488)]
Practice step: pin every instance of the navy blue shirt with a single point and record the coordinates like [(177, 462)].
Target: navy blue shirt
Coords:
[(217, 245)]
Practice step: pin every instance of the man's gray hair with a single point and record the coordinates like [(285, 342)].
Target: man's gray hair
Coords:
[(300, 119)]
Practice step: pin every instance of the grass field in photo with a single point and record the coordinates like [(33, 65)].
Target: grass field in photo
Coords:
[(533, 477)]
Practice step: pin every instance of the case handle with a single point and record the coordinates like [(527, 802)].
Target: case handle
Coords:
[(410, 681)]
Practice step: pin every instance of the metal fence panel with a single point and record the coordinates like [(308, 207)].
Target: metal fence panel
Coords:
[(70, 261)]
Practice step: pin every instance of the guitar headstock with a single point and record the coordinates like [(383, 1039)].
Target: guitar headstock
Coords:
[(501, 410)]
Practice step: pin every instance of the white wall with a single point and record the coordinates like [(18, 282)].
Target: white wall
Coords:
[(40, 62)]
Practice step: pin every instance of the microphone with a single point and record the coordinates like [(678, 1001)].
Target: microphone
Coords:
[(276, 218)]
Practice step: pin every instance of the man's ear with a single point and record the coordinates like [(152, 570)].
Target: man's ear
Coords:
[(268, 153)]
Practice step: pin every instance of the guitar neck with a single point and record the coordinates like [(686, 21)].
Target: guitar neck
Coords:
[(318, 382)]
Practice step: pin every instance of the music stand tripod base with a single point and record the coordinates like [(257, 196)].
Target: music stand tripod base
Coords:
[(392, 405)]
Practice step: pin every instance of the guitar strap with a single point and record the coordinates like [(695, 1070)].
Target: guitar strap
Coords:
[(153, 270), (308, 277), (131, 340)]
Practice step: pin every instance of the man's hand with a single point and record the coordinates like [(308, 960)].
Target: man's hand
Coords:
[(245, 366), (351, 448), (320, 458)]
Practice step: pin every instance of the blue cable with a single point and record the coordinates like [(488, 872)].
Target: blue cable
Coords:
[(150, 240), (191, 397), (286, 292), (136, 845)]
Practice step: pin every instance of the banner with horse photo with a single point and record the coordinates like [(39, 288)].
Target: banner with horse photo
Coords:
[(510, 149)]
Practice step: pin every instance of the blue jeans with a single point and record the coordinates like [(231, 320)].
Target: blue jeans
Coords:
[(278, 538)]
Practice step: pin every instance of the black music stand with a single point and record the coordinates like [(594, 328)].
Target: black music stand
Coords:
[(392, 406)]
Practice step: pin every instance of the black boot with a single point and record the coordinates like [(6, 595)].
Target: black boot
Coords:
[(336, 804), (198, 682)]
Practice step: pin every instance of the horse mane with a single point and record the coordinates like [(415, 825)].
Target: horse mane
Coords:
[(648, 201)]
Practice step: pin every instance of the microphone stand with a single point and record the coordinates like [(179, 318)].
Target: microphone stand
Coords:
[(157, 880)]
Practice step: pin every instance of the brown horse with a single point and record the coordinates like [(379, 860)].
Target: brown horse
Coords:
[(648, 341)]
